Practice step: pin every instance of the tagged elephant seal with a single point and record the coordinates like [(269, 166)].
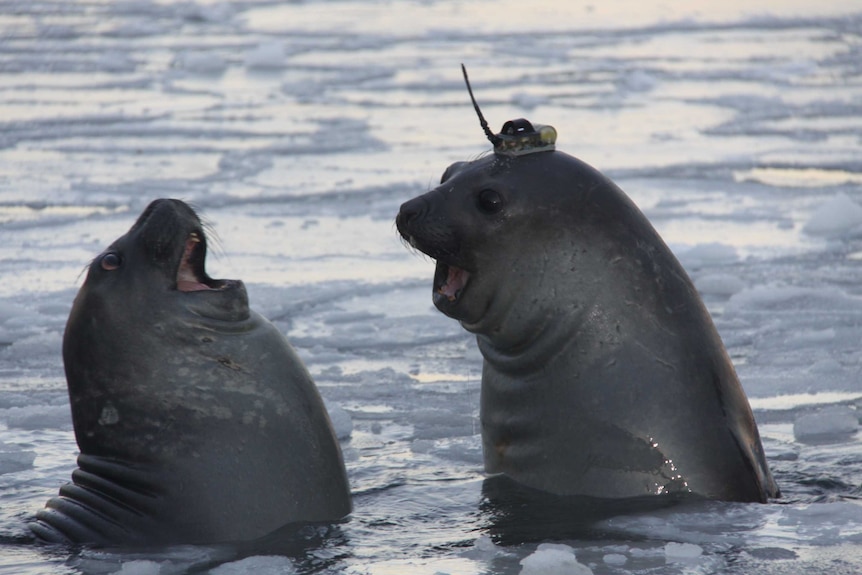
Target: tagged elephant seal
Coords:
[(196, 421), (603, 373)]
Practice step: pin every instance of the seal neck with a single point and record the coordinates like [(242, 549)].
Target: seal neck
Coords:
[(225, 306), (530, 349)]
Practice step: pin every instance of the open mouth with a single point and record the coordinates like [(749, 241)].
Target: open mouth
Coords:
[(450, 281), (191, 276)]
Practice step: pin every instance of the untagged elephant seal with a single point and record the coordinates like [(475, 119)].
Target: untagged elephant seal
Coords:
[(196, 421), (604, 375)]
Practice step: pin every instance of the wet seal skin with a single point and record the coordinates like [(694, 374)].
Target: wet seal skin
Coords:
[(603, 374), (196, 420)]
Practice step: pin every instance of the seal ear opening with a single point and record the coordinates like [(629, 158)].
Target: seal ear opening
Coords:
[(452, 170)]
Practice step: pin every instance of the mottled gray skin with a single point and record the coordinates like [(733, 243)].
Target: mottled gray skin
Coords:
[(196, 420), (604, 375)]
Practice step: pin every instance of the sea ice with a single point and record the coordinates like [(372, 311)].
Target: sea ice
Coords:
[(638, 81), (789, 298), (200, 63), (815, 337), (836, 217), (97, 122), (38, 417), (723, 285), (835, 420), (681, 552), (462, 449), (553, 559), (342, 423), (216, 12), (523, 100), (115, 61), (259, 565), (267, 55), (139, 567), (14, 458), (615, 559), (708, 254)]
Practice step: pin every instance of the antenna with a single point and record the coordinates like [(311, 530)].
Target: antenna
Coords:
[(494, 139)]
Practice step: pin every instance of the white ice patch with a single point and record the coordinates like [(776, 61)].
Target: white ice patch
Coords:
[(200, 63), (790, 298), (342, 423), (151, 561), (832, 421), (139, 567), (615, 559), (707, 254), (637, 81), (17, 323), (115, 61), (523, 100), (837, 217), (44, 346), (14, 458), (257, 565), (484, 549), (825, 523), (722, 285), (206, 12), (553, 559), (33, 417), (815, 337), (461, 449), (266, 56), (682, 552)]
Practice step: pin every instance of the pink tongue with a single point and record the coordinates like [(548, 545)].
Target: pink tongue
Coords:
[(185, 285), (186, 278), (456, 281)]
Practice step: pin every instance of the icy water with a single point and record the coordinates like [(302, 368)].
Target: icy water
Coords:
[(298, 128)]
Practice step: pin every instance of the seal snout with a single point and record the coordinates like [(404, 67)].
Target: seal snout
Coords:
[(408, 222), (434, 238), (409, 213)]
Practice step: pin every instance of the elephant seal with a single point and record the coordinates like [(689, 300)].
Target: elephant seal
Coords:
[(603, 373), (196, 420)]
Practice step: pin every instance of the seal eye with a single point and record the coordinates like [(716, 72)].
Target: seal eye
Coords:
[(489, 201), (111, 261)]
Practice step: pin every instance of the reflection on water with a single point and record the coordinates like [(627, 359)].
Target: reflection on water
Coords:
[(799, 177), (794, 400)]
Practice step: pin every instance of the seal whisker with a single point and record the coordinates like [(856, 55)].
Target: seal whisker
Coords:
[(84, 270), (214, 241)]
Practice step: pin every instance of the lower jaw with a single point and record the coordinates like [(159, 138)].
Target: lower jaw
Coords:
[(442, 301), (457, 309), (444, 304)]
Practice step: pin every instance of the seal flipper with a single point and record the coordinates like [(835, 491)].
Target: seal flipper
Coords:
[(754, 457), (64, 520), (99, 507)]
